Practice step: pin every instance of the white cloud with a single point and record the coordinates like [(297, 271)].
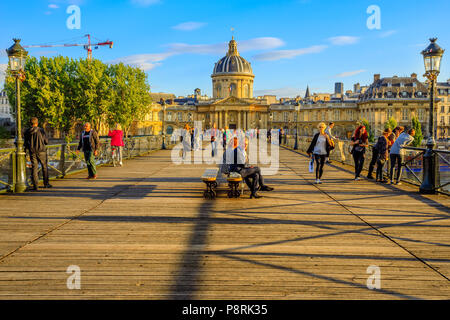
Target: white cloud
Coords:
[(388, 33), (189, 26), (263, 43), (148, 61), (343, 40), (53, 6), (349, 73), (288, 54), (281, 92), (145, 3)]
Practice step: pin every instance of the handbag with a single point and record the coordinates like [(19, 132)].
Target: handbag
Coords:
[(311, 165), (350, 149)]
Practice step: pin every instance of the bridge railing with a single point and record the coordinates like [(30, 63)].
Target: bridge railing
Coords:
[(412, 172), (63, 159)]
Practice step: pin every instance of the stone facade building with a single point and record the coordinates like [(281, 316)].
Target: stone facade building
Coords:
[(6, 116)]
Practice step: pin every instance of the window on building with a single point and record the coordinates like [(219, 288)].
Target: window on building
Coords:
[(189, 116), (295, 117), (246, 91), (169, 116), (389, 113), (180, 116), (421, 114), (442, 120), (337, 114), (442, 109), (232, 89), (405, 114), (286, 117), (218, 90)]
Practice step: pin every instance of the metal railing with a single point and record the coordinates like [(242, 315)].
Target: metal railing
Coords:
[(413, 164), (63, 159)]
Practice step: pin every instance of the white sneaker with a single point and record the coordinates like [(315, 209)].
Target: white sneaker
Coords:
[(317, 181), (398, 183), (320, 181), (357, 179)]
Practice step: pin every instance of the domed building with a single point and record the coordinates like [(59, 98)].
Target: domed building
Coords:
[(232, 105), (232, 75)]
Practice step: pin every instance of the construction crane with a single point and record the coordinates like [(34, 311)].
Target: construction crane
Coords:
[(87, 46)]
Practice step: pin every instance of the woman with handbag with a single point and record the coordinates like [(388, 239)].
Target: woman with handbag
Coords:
[(360, 141), (320, 146)]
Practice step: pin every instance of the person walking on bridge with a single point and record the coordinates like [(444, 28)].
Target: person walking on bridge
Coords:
[(89, 143), (319, 148), (116, 144), (35, 143), (360, 141)]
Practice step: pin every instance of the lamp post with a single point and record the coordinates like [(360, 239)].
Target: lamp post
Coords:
[(296, 130), (163, 104), (17, 57), (432, 56)]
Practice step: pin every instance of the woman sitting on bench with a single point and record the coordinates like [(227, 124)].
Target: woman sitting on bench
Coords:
[(236, 157)]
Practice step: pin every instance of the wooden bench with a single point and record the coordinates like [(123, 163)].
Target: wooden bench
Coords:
[(234, 180), (209, 177)]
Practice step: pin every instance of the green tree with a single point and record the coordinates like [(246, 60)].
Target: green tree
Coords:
[(391, 123), (365, 123), (131, 95), (62, 91), (47, 92), (418, 128), (93, 92)]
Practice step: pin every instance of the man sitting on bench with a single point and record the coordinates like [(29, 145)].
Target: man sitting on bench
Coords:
[(236, 157)]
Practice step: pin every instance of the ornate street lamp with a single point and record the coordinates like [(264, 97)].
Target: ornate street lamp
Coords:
[(296, 130), (17, 59), (163, 104), (432, 56)]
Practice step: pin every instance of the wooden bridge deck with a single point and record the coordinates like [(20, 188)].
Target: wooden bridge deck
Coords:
[(144, 231)]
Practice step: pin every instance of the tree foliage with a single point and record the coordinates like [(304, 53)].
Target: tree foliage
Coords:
[(391, 123), (366, 123), (418, 128), (62, 91)]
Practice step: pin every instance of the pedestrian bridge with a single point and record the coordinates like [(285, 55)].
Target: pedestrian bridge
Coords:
[(144, 231)]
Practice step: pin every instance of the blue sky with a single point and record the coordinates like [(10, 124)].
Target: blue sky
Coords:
[(290, 43)]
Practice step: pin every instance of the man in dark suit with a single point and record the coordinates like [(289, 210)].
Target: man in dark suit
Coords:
[(35, 143), (89, 143)]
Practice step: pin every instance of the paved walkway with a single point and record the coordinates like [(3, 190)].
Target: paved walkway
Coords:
[(144, 231)]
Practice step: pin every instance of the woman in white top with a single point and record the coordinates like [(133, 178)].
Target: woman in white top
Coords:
[(319, 148)]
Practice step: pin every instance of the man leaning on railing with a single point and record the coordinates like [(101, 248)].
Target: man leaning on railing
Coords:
[(397, 154)]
